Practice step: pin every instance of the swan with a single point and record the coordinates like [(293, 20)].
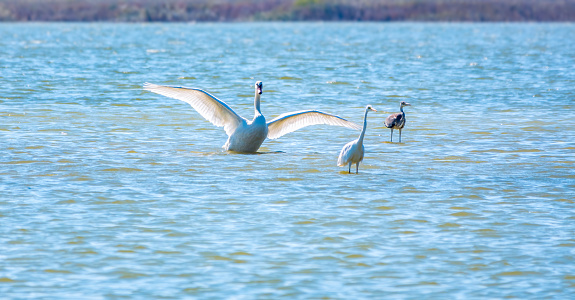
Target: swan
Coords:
[(396, 120), (352, 152), (244, 135)]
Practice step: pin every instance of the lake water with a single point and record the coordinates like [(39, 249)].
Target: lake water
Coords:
[(109, 191)]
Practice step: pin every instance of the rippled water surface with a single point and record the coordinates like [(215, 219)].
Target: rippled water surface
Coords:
[(109, 191)]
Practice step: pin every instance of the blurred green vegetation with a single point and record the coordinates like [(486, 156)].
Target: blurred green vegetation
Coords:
[(287, 10), (300, 3)]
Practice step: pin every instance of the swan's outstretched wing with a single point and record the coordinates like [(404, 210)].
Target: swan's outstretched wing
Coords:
[(293, 121), (210, 107)]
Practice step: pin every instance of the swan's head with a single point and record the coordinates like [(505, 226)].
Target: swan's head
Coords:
[(370, 108), (259, 87), (403, 103)]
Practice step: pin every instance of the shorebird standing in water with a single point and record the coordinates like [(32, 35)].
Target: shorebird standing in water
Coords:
[(397, 120), (352, 152)]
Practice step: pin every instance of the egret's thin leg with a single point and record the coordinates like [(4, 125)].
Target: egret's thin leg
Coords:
[(392, 135), (400, 135), (349, 168), (356, 167)]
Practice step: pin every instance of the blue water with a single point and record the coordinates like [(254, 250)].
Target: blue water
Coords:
[(108, 191)]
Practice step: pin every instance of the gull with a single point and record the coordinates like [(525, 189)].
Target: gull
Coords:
[(352, 152), (247, 136)]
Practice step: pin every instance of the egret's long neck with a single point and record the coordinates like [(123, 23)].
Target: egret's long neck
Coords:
[(360, 140), (401, 109), (257, 104)]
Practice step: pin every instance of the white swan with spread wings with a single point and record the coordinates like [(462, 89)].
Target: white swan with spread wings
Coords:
[(245, 135)]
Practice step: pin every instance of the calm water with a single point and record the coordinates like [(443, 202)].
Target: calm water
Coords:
[(107, 191)]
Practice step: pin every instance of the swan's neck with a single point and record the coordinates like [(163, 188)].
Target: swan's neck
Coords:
[(257, 104), (360, 140)]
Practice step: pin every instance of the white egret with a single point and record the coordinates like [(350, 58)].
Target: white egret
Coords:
[(352, 152), (397, 120), (245, 135)]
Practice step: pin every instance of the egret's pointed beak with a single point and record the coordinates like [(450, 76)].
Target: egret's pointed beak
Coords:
[(407, 104)]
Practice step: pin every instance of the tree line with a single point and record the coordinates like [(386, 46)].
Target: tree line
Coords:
[(287, 10)]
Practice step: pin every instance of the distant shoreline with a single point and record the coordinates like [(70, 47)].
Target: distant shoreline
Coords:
[(287, 10)]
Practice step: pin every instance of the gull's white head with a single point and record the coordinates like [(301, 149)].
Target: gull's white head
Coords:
[(370, 108), (259, 87)]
